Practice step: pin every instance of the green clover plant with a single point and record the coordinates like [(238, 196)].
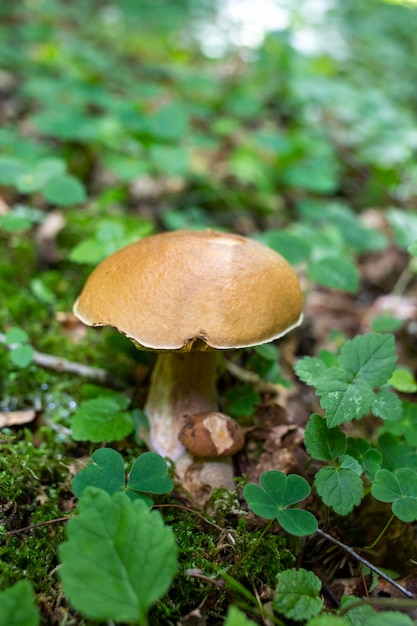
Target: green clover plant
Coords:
[(149, 474), (272, 499)]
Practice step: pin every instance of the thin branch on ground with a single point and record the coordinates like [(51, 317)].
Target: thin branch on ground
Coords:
[(59, 364), (364, 561)]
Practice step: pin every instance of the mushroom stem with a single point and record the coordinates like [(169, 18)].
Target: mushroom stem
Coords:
[(182, 383)]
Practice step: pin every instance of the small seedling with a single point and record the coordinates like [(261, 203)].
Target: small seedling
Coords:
[(272, 499), (357, 385), (149, 474)]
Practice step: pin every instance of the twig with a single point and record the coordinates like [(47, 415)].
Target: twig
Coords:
[(254, 379), (16, 531), (364, 561), (59, 364)]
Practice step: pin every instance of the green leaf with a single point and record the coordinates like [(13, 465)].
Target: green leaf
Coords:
[(297, 594), (10, 169), (395, 453), (390, 618), (387, 405), (235, 617), (64, 190), (172, 160), (309, 369), (370, 458), (101, 419), (323, 443), (278, 491), (17, 605), (267, 351), (372, 357), (336, 273), (292, 246), (22, 356), (340, 488), (150, 474), (328, 619), (16, 335), (357, 615), (105, 472), (349, 462), (297, 522), (403, 380), (14, 223), (400, 488), (118, 559), (343, 398)]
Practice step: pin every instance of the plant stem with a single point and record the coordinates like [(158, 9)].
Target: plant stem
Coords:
[(381, 534)]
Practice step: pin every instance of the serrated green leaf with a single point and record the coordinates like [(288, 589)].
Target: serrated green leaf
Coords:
[(371, 357), (17, 605), (118, 558), (340, 488), (101, 419), (309, 369), (387, 405), (323, 443), (235, 617), (297, 522), (357, 615), (293, 247), (150, 474), (336, 273), (64, 190), (22, 356), (400, 488), (342, 398), (297, 594), (349, 462), (105, 472), (370, 458)]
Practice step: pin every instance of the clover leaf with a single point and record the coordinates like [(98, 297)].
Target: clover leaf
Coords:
[(272, 499), (149, 474), (400, 488)]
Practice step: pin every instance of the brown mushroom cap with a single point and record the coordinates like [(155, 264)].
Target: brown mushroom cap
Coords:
[(211, 434), (185, 289)]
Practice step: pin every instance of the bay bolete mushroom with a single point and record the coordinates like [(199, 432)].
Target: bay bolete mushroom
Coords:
[(188, 294)]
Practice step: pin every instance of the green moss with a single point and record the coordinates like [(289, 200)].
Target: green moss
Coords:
[(33, 490)]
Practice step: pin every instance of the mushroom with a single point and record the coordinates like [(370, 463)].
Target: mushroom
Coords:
[(188, 295)]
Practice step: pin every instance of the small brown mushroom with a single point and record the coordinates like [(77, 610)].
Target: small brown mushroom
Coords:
[(211, 434)]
